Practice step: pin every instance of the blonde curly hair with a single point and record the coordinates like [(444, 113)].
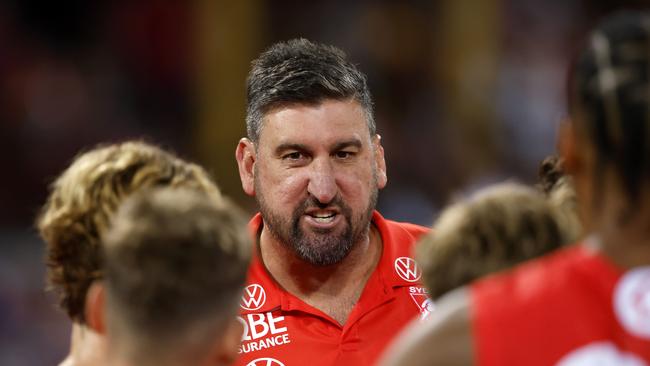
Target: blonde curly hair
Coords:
[(83, 200), (496, 228)]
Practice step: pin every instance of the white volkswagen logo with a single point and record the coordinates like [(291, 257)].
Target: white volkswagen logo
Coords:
[(407, 269), (632, 301), (265, 361), (254, 297)]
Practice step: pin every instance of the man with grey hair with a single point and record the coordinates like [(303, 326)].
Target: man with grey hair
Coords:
[(175, 266), (331, 277)]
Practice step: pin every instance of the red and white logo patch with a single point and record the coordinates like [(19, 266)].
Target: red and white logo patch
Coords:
[(632, 302), (265, 361), (422, 301), (254, 297), (407, 269)]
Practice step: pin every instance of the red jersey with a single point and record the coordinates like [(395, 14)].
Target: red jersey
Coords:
[(280, 329), (571, 308)]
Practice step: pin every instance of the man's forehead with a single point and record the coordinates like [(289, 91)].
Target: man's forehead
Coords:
[(329, 119)]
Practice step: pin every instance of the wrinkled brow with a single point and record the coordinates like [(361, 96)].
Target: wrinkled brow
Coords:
[(353, 142)]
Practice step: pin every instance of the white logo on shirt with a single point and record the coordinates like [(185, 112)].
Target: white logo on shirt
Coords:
[(632, 302), (407, 269), (422, 301), (600, 354), (262, 331), (254, 297), (265, 361)]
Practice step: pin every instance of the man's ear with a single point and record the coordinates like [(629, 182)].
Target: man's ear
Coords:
[(380, 162), (246, 157), (95, 307)]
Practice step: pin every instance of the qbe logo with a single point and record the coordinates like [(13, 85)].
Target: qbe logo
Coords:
[(254, 297), (407, 269), (265, 361)]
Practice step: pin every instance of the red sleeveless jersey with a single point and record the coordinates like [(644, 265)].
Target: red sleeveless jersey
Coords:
[(571, 308), (282, 330)]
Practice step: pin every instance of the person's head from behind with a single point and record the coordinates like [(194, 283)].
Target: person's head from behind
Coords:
[(497, 228), (606, 148), (84, 198), (312, 158), (175, 266)]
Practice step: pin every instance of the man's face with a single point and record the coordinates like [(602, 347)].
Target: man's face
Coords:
[(317, 172)]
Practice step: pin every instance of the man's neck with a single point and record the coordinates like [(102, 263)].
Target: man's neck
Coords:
[(333, 289), (87, 347)]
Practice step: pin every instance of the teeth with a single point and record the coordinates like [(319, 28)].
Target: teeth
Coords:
[(324, 218)]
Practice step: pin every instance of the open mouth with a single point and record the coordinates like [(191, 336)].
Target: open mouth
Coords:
[(323, 217)]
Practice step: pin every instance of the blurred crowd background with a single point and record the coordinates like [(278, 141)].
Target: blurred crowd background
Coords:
[(467, 93)]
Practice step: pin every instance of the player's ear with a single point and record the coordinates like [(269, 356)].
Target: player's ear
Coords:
[(95, 307), (225, 350), (246, 157), (380, 162)]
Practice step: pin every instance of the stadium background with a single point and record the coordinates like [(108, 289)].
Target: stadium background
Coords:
[(467, 93)]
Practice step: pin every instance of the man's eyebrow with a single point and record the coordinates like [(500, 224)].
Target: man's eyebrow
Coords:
[(354, 142), (290, 146)]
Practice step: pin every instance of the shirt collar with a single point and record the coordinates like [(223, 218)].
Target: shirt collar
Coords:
[(397, 264), (396, 267)]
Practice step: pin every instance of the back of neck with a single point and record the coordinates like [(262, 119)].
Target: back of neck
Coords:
[(624, 233), (87, 347)]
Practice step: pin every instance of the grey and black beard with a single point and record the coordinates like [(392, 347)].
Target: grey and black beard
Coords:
[(321, 249)]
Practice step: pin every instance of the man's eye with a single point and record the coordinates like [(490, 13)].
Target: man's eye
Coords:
[(293, 156), (344, 154)]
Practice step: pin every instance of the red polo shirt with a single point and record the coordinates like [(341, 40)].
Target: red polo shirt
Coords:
[(280, 329)]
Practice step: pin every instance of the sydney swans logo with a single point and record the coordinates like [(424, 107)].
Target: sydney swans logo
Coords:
[(407, 269), (254, 297)]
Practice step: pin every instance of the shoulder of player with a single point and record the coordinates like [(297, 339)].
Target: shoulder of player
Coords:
[(445, 338), (534, 277)]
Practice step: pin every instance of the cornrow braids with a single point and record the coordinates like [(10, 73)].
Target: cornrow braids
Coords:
[(610, 89)]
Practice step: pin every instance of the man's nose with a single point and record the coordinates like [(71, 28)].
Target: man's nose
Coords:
[(322, 183)]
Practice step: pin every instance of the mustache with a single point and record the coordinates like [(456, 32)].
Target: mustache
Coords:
[(312, 202)]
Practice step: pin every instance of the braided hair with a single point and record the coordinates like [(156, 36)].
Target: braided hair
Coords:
[(610, 90)]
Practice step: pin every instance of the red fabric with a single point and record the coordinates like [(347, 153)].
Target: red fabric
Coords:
[(545, 310), (287, 330)]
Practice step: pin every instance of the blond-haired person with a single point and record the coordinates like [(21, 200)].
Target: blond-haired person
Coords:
[(496, 228), (78, 210), (175, 265)]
